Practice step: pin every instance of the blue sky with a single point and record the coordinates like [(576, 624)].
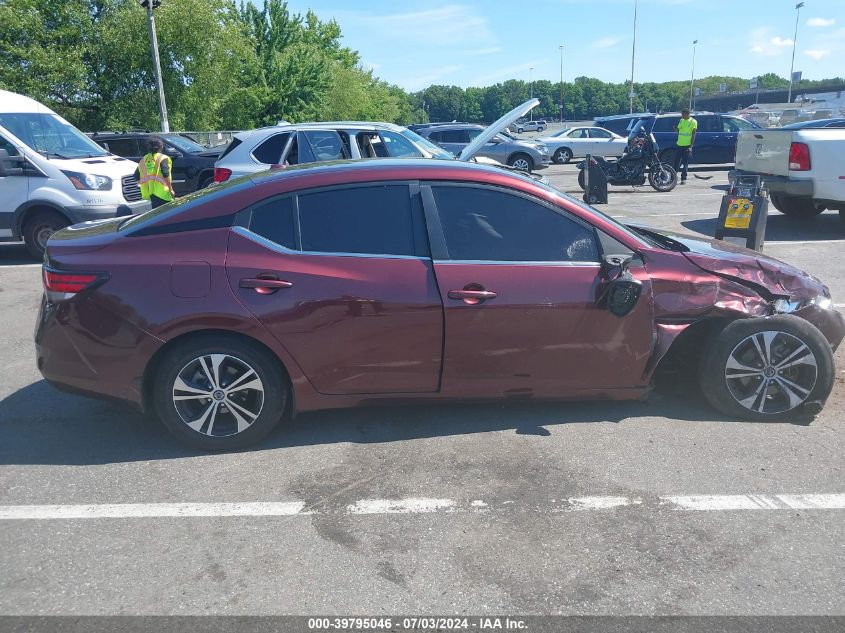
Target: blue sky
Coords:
[(415, 43)]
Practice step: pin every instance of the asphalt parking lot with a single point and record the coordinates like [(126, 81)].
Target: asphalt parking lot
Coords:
[(660, 507)]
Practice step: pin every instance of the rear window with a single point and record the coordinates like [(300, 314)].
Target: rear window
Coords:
[(274, 220), (235, 142), (666, 124)]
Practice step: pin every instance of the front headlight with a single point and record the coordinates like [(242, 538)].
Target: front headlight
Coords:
[(785, 306), (89, 182)]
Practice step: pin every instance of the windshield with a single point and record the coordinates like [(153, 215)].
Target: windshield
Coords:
[(50, 135), (184, 144), (435, 150)]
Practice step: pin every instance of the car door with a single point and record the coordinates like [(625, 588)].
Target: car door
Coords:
[(580, 142), (521, 286), (342, 277), (710, 141), (181, 174), (14, 186)]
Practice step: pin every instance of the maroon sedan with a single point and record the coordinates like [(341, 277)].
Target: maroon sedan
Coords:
[(380, 281)]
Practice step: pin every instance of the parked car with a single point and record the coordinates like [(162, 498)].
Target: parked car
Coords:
[(530, 126), (413, 280), (715, 140), (526, 156), (620, 123), (577, 142), (817, 123), (52, 175), (193, 164), (294, 144), (801, 167)]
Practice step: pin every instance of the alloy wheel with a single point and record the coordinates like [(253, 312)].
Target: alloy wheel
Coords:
[(218, 395), (771, 372), (521, 164)]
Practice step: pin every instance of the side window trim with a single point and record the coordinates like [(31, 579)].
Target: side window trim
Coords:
[(437, 238)]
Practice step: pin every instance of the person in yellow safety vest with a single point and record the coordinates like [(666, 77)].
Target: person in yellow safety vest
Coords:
[(687, 127), (153, 174)]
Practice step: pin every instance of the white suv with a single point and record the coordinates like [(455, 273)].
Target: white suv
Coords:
[(530, 126), (293, 144)]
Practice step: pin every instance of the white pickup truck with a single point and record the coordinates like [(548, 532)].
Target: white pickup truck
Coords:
[(803, 169)]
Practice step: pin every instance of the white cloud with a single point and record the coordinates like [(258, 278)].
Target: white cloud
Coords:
[(821, 22), (816, 53), (607, 42), (763, 42), (444, 26), (435, 75)]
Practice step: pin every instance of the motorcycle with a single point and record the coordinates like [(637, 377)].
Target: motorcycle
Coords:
[(639, 162)]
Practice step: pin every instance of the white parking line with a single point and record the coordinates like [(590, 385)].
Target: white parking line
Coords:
[(800, 242), (4, 266), (424, 505), (668, 215)]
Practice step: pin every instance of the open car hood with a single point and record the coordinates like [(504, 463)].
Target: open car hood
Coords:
[(747, 267), (494, 128)]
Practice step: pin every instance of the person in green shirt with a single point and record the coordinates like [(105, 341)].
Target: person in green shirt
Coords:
[(686, 128)]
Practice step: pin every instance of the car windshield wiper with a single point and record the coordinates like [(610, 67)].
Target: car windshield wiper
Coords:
[(56, 155)]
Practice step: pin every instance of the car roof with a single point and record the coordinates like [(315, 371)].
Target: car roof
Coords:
[(814, 123), (320, 125), (459, 126)]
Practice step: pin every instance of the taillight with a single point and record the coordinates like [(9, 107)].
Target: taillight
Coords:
[(221, 174), (799, 157), (69, 283)]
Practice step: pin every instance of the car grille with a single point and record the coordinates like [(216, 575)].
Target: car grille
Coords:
[(131, 190)]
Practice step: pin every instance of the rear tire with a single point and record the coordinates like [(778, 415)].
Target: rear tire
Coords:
[(562, 156), (195, 405), (732, 372), (38, 228), (802, 208)]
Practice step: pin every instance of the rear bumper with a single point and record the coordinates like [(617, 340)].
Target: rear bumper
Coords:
[(82, 347), (783, 185)]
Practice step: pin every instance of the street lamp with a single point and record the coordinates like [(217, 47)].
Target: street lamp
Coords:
[(633, 51), (561, 82), (149, 5), (531, 91), (692, 76), (794, 42)]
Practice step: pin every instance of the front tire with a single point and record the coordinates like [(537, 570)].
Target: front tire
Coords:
[(802, 208), (664, 180), (38, 228), (767, 368), (519, 130), (562, 156), (215, 393), (522, 162)]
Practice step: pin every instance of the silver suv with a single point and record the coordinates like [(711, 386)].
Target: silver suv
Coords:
[(292, 144), (454, 137)]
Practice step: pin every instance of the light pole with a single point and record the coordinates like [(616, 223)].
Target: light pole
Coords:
[(531, 90), (633, 51), (561, 82), (692, 76), (794, 42), (149, 5)]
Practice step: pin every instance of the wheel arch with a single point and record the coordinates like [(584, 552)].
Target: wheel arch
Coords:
[(34, 206), (151, 369), (684, 351)]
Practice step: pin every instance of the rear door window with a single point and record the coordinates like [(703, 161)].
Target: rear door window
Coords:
[(708, 124), (325, 145), (455, 136), (126, 147), (482, 224), (372, 219), (270, 151), (597, 132), (273, 220)]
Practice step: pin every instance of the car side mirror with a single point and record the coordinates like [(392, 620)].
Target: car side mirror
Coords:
[(623, 291), (6, 168)]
